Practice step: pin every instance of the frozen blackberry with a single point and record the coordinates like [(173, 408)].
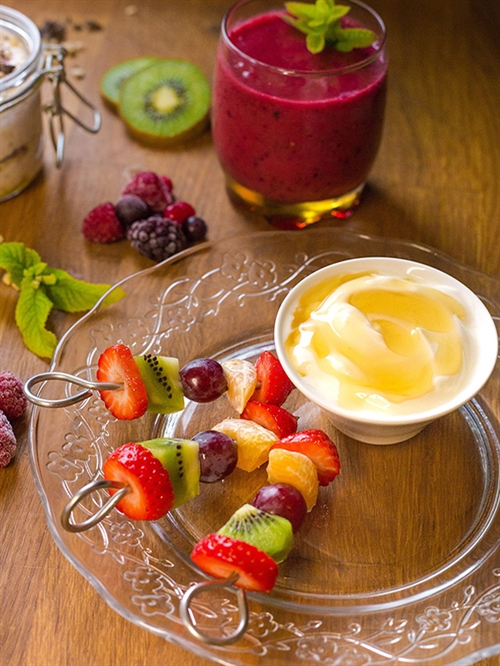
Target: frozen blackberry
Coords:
[(157, 238)]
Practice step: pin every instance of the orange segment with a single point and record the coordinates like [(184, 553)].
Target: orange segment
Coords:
[(253, 441), (241, 379), (297, 470)]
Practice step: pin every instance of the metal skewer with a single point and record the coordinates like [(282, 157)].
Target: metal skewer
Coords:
[(70, 379), (187, 615)]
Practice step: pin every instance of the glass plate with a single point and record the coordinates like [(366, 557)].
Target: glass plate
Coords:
[(399, 561)]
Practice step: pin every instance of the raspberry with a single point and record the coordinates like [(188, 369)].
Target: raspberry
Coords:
[(8, 442), (150, 188), (168, 183), (157, 238), (13, 402), (102, 226)]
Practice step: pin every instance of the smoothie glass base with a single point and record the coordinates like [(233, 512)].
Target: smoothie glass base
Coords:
[(294, 215)]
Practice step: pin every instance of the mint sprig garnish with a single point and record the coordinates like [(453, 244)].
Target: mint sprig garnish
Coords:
[(42, 289), (321, 24)]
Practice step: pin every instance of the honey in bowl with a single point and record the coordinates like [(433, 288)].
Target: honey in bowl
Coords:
[(385, 345)]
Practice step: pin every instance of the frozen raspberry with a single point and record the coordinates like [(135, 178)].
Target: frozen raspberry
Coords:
[(157, 238), (179, 211), (13, 402), (168, 183), (102, 226), (8, 442), (150, 188)]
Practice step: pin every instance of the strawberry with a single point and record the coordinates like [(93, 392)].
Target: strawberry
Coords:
[(273, 384), (116, 364), (316, 445), (151, 495), (274, 418), (220, 556)]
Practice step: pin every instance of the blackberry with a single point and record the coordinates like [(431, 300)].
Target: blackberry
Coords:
[(157, 237)]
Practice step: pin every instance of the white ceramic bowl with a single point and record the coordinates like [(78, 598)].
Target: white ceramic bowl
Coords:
[(381, 426)]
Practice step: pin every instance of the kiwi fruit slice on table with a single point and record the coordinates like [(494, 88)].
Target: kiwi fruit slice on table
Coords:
[(266, 531), (180, 457), (114, 77), (161, 377), (165, 103)]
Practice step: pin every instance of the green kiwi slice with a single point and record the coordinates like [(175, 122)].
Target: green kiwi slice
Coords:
[(161, 377), (165, 103), (266, 531), (180, 457), (114, 77)]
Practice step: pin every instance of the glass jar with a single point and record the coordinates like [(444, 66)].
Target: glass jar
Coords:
[(24, 63)]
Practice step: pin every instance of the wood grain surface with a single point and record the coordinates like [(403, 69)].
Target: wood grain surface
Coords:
[(436, 182)]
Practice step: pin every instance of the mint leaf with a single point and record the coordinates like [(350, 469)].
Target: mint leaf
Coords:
[(15, 258), (32, 311), (321, 25), (41, 289), (72, 295)]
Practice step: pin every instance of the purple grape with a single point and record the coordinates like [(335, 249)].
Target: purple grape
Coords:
[(203, 380), (131, 208), (194, 228), (282, 499), (218, 455)]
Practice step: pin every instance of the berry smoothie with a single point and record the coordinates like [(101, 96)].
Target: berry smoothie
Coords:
[(308, 134)]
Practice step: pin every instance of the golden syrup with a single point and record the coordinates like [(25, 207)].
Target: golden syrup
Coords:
[(372, 340)]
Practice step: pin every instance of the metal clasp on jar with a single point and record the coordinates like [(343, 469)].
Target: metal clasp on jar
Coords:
[(54, 69)]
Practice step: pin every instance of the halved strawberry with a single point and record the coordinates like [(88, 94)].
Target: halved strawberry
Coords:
[(116, 364), (152, 495), (316, 445), (273, 384), (274, 418), (220, 556)]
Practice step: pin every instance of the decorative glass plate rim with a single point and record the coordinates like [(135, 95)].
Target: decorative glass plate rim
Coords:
[(393, 244)]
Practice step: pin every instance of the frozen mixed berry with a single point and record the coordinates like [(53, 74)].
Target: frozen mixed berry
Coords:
[(131, 208), (13, 402), (179, 211), (168, 183), (102, 226), (8, 442), (150, 188), (157, 238), (194, 228)]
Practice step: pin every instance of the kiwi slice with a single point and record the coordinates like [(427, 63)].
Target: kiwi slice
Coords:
[(114, 77), (180, 457), (165, 103), (266, 531), (161, 377)]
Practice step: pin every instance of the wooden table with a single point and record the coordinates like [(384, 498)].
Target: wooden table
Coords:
[(436, 181)]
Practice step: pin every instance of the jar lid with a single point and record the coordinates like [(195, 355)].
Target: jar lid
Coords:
[(21, 29)]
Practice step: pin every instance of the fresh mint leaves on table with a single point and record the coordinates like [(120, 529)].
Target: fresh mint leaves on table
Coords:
[(41, 289), (321, 23)]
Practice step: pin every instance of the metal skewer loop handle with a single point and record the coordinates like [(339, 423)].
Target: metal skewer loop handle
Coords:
[(187, 616), (70, 379), (122, 490)]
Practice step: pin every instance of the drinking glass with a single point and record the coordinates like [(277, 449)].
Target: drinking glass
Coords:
[(296, 134)]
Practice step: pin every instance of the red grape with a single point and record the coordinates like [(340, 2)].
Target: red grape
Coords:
[(218, 455), (203, 380), (282, 499)]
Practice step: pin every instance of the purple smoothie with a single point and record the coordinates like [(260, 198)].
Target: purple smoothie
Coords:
[(307, 136)]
